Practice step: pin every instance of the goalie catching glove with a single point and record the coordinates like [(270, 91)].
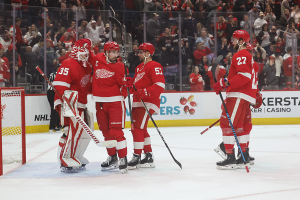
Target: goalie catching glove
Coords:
[(220, 85), (258, 100)]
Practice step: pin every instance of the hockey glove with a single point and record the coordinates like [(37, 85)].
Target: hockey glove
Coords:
[(220, 85), (258, 100), (128, 82), (141, 94)]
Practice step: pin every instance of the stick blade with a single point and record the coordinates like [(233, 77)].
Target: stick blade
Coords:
[(114, 21)]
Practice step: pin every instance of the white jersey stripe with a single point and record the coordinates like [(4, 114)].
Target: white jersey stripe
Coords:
[(237, 103), (160, 84), (61, 83), (144, 120), (248, 75)]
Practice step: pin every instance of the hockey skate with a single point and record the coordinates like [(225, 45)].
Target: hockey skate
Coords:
[(123, 165), (135, 162), (84, 162), (148, 161), (240, 161), (69, 169), (110, 164), (228, 163), (221, 150)]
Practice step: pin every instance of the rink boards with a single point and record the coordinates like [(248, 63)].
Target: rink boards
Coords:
[(183, 109)]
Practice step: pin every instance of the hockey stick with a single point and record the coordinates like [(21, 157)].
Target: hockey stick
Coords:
[(178, 163), (81, 122), (113, 11), (219, 119), (210, 127), (213, 69), (115, 21)]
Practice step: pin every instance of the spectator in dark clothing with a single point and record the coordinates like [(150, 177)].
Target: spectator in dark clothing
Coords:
[(49, 29), (185, 54), (30, 60), (133, 59), (65, 15), (152, 26), (270, 71), (203, 69), (154, 6), (224, 48), (231, 27), (166, 44), (33, 12), (190, 25), (283, 21), (51, 57)]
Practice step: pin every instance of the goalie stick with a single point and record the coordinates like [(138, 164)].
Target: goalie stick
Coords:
[(81, 122), (116, 22), (178, 163), (213, 70), (219, 119)]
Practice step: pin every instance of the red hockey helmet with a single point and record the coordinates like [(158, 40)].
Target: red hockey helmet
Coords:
[(147, 47), (111, 45), (241, 34), (250, 47)]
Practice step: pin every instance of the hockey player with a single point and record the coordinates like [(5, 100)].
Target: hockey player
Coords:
[(247, 125), (150, 83), (73, 79), (241, 92), (109, 95)]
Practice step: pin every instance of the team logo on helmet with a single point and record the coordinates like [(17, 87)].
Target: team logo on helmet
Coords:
[(103, 73)]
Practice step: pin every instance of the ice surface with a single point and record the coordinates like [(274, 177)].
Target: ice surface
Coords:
[(274, 175)]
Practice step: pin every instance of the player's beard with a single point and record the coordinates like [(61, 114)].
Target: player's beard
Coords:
[(236, 47)]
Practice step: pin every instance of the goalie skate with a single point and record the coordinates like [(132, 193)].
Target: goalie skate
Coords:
[(110, 164), (69, 169), (147, 161)]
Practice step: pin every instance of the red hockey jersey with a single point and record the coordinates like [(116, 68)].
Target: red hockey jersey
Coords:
[(243, 77), (152, 78), (72, 76), (288, 65), (196, 82), (107, 80)]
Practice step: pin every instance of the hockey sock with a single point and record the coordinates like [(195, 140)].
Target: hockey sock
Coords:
[(138, 140), (228, 140), (147, 143), (110, 150), (243, 138), (118, 134)]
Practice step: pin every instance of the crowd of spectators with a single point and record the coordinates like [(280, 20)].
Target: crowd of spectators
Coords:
[(274, 25)]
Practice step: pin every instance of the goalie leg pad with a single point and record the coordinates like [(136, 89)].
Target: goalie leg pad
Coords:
[(89, 118), (73, 97), (75, 145)]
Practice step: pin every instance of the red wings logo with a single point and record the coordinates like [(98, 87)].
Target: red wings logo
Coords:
[(139, 77), (2, 109), (103, 73), (85, 80)]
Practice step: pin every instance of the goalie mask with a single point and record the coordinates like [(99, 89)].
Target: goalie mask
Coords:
[(81, 51)]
